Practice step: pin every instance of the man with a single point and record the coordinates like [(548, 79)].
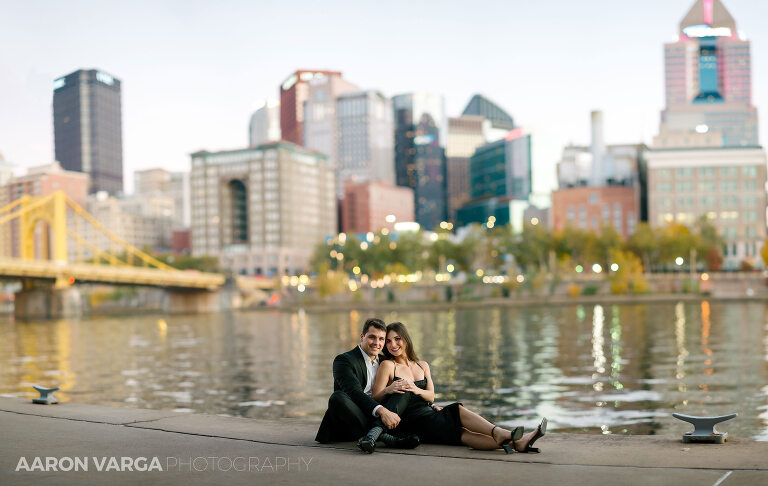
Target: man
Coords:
[(351, 410)]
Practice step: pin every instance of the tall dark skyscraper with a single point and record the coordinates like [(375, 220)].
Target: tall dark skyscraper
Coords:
[(88, 128), (420, 129)]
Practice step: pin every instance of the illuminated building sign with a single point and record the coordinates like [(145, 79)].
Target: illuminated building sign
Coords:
[(289, 82), (105, 78), (706, 31), (59, 83)]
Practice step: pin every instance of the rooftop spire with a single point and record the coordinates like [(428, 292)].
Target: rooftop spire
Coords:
[(708, 12)]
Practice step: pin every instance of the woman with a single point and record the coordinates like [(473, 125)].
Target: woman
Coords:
[(403, 377)]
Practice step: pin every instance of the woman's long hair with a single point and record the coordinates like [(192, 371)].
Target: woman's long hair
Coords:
[(410, 351)]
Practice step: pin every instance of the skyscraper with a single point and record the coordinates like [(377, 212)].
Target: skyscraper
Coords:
[(708, 83), (366, 144), (293, 92), (479, 105), (500, 182), (87, 127), (262, 210), (320, 124), (481, 122), (706, 160), (420, 131)]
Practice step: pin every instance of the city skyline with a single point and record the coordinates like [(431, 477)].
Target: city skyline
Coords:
[(184, 91)]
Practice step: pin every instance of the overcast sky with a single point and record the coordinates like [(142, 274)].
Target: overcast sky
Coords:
[(193, 71)]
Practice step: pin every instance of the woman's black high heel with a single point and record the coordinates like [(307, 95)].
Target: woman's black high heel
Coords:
[(540, 431), (508, 445)]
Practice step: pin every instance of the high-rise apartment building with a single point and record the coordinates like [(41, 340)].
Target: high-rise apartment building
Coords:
[(262, 210), (265, 124), (366, 147), (706, 160), (87, 127), (420, 132), (293, 92)]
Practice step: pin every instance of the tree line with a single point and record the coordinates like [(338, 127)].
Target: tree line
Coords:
[(536, 249)]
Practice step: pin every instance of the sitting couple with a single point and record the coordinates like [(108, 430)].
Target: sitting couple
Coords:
[(374, 393)]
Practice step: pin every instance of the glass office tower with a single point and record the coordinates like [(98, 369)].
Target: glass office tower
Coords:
[(87, 127), (420, 130)]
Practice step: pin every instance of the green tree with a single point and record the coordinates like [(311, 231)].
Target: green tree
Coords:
[(676, 240), (572, 242), (710, 244), (532, 247), (599, 246), (408, 250), (645, 244)]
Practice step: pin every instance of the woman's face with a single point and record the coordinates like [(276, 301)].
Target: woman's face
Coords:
[(395, 344)]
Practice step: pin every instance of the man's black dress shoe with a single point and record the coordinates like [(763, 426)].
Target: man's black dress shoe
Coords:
[(410, 441)]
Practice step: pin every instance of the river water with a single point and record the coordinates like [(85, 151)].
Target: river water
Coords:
[(611, 369)]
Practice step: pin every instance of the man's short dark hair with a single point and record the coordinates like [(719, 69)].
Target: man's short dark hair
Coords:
[(374, 322)]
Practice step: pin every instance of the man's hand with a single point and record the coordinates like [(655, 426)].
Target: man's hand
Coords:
[(390, 419)]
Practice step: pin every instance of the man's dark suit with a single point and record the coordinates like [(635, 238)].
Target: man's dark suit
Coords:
[(350, 410)]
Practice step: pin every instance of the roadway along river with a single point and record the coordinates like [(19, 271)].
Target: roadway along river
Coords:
[(620, 369)]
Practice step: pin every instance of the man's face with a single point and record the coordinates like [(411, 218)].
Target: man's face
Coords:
[(372, 341)]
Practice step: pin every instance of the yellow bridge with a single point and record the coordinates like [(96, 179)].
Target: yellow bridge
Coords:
[(36, 237)]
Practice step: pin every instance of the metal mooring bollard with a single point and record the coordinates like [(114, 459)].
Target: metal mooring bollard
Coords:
[(704, 428), (46, 395)]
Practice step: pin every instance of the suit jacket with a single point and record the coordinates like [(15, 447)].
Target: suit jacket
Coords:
[(350, 375)]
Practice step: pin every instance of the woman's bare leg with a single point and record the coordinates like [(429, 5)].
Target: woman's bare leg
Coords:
[(477, 424), (481, 442)]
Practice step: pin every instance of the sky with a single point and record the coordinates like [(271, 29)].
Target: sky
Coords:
[(192, 72)]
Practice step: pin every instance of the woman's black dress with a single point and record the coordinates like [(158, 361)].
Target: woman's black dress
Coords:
[(417, 417)]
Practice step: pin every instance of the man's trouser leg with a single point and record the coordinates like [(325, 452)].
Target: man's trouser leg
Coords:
[(343, 421)]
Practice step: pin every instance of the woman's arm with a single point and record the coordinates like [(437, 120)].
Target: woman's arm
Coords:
[(382, 384), (427, 395)]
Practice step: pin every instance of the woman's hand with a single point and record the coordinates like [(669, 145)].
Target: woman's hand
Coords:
[(411, 387), (397, 386)]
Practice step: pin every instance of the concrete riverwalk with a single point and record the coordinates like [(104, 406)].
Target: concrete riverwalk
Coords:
[(87, 444)]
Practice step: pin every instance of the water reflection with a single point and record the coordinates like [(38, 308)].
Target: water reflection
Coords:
[(596, 369)]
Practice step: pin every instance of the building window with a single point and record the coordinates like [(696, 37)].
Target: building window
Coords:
[(239, 201)]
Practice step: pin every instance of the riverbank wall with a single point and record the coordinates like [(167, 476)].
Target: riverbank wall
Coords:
[(748, 286), (87, 444)]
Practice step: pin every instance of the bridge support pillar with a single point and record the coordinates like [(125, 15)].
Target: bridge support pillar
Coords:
[(194, 302), (47, 303)]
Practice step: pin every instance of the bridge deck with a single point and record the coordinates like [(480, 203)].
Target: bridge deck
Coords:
[(108, 274)]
